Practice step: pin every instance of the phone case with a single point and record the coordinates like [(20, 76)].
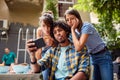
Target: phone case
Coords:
[(39, 43)]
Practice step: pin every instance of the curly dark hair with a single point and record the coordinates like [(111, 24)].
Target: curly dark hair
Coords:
[(62, 25)]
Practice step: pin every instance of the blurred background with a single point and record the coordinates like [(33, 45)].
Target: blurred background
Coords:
[(19, 20)]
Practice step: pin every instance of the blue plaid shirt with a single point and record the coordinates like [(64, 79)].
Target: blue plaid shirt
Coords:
[(76, 61)]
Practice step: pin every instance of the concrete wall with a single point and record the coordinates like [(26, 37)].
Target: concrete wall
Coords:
[(12, 41), (4, 11), (24, 12), (18, 13), (85, 16), (21, 12)]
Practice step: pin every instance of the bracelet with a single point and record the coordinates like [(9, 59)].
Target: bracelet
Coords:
[(34, 62)]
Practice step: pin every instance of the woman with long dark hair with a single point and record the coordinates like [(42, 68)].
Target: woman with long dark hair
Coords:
[(84, 34)]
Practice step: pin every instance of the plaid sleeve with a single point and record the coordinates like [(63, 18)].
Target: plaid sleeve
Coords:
[(84, 65), (46, 60)]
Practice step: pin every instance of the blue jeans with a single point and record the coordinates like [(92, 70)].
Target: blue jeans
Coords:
[(103, 67), (60, 79), (45, 74)]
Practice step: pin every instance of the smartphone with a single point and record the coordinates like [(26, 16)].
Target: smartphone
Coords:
[(39, 43)]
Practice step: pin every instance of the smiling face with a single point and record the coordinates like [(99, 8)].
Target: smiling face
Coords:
[(60, 34)]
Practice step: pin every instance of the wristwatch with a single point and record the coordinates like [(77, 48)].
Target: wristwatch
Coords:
[(34, 61)]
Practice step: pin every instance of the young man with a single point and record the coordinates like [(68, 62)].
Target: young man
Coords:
[(64, 62)]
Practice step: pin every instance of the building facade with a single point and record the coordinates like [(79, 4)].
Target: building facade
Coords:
[(22, 16)]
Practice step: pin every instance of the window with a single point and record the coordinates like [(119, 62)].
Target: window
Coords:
[(66, 1), (63, 5)]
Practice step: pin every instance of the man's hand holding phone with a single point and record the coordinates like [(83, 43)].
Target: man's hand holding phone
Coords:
[(33, 45), (31, 48)]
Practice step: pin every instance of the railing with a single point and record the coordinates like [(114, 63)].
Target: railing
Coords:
[(27, 36)]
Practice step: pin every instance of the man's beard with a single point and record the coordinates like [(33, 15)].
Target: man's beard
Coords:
[(63, 41)]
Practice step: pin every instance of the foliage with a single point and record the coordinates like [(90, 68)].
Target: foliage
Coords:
[(108, 12), (51, 5), (112, 42), (101, 7)]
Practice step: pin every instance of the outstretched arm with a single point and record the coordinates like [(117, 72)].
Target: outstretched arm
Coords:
[(31, 51), (34, 66)]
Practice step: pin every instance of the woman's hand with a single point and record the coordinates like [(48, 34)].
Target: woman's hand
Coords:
[(75, 23)]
